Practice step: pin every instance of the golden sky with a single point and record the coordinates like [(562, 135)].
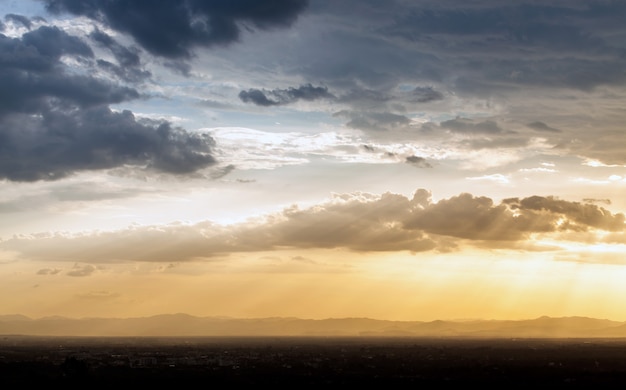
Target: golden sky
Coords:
[(313, 159)]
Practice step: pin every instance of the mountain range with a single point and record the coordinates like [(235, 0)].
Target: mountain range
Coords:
[(179, 325)]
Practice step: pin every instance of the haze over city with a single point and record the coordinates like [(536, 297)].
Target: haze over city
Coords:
[(392, 160)]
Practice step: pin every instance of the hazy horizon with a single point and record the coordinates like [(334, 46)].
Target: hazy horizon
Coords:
[(183, 325), (392, 160)]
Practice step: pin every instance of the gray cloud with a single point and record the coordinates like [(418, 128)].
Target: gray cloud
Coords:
[(34, 78), (580, 216), (278, 97), (359, 222), (365, 98), (173, 29), (257, 97), (482, 49), (40, 50), (21, 19), (48, 271), (54, 122), (419, 162), (130, 74), (130, 67), (562, 44), (125, 56), (425, 94), (541, 126), (373, 121), (468, 126), (361, 99), (81, 271), (57, 144)]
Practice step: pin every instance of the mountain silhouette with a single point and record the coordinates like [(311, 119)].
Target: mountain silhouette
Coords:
[(181, 324)]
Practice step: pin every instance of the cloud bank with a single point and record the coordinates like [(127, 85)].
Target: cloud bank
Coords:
[(356, 222)]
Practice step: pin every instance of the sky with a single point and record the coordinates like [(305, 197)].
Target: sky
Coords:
[(399, 160)]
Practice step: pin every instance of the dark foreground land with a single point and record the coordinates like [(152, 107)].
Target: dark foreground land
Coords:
[(102, 362)]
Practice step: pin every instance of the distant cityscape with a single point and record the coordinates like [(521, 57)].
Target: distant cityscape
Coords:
[(310, 360)]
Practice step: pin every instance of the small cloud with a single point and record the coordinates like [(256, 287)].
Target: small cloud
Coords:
[(419, 162), (48, 271), (496, 178), (277, 97), (222, 171), (79, 271), (302, 259), (540, 126), (98, 295), (540, 169), (425, 94), (597, 164)]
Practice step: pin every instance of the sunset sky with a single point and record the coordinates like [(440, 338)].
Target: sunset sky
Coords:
[(402, 160)]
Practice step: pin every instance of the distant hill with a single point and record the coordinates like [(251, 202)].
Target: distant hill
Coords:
[(187, 325)]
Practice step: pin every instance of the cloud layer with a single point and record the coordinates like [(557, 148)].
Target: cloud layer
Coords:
[(174, 29), (357, 222)]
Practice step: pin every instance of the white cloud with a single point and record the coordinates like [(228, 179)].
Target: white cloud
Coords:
[(496, 178)]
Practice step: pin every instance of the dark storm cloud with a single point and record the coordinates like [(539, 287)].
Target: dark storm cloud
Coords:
[(129, 66), (359, 222), (133, 75), (56, 144), (40, 50), (566, 44), (486, 47), (34, 78), (257, 97), (25, 93), (562, 25), (173, 29), (278, 97), (55, 121), (124, 55)]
